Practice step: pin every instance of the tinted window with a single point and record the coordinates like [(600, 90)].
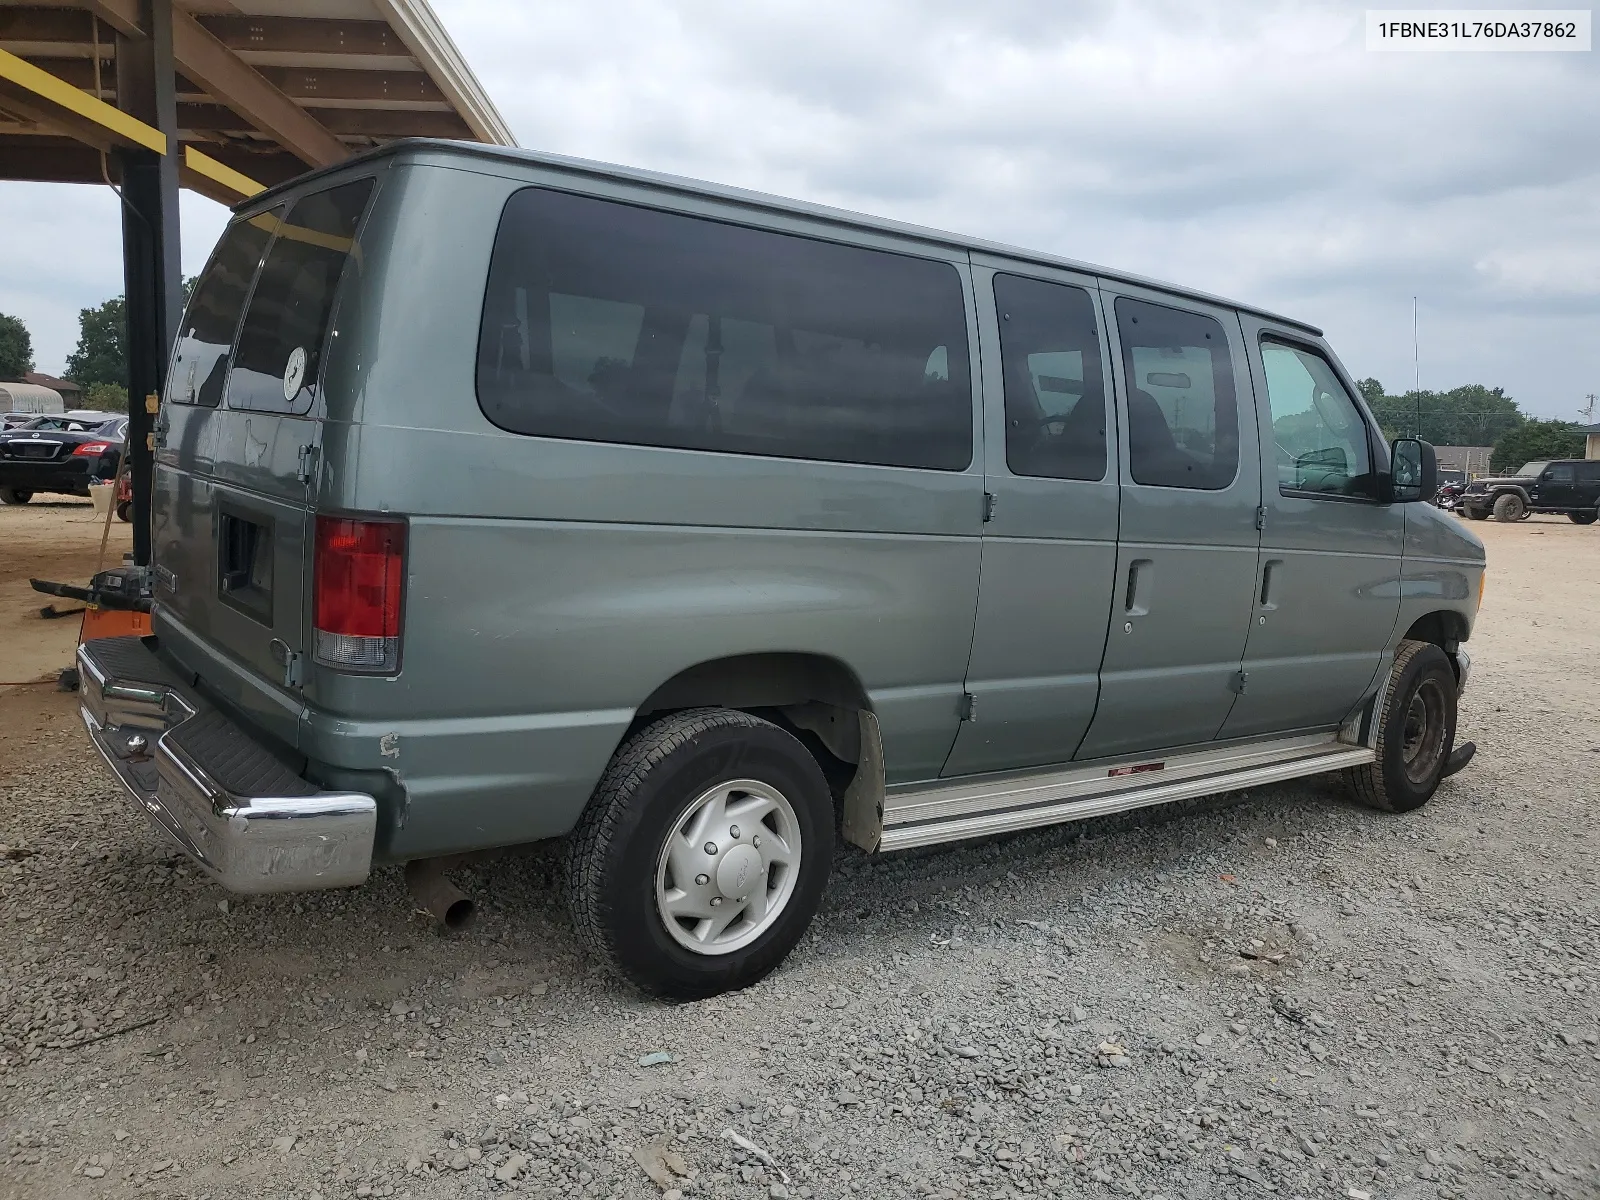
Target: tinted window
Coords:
[(1055, 393), (1183, 415), (280, 342), (1589, 472), (1561, 473), (612, 323), (204, 339), (1319, 440)]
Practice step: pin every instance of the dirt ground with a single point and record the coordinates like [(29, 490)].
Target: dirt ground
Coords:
[(55, 538), (1274, 993)]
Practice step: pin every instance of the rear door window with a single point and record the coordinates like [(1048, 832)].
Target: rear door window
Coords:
[(1054, 391), (612, 323), (1183, 413), (201, 366), (275, 367)]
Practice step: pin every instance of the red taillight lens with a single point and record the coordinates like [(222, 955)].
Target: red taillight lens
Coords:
[(359, 572), (93, 449)]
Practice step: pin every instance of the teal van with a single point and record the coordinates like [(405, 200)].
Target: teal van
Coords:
[(502, 497)]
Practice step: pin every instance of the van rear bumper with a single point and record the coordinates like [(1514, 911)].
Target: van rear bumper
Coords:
[(234, 806)]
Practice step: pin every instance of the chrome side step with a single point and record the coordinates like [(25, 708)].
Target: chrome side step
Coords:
[(981, 808)]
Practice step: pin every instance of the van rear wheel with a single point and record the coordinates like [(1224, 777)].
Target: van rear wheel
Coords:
[(1416, 730), (703, 854)]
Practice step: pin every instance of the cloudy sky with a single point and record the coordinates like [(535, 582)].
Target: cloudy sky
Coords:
[(1256, 150)]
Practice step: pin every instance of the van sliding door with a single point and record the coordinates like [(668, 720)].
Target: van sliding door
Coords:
[(1050, 548)]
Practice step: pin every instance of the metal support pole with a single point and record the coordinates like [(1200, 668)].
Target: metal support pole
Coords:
[(151, 267)]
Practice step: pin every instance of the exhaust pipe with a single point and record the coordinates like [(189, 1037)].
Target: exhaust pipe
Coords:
[(450, 906)]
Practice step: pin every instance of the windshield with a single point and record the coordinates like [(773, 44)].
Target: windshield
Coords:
[(1533, 468)]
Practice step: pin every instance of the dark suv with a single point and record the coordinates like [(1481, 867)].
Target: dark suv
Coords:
[(1570, 486)]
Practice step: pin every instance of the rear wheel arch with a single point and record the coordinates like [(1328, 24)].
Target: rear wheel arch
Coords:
[(818, 698)]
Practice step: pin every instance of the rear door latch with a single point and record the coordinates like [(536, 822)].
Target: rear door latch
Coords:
[(289, 660), (308, 459)]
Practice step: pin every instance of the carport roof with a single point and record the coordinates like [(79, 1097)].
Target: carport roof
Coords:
[(265, 89)]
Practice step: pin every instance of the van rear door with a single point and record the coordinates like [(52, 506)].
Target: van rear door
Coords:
[(238, 444)]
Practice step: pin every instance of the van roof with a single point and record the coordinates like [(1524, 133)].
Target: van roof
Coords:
[(682, 186)]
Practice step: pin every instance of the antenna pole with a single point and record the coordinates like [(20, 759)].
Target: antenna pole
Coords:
[(1416, 358)]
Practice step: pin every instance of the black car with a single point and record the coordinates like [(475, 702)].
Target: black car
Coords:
[(62, 454), (1570, 486)]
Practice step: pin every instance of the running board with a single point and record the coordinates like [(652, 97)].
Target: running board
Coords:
[(952, 812)]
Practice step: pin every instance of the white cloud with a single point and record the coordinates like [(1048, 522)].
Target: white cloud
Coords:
[(1255, 150), (63, 252)]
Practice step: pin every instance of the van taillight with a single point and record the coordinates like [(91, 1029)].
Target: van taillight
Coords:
[(359, 569)]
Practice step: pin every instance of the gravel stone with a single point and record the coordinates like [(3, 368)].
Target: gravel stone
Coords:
[(1439, 1041)]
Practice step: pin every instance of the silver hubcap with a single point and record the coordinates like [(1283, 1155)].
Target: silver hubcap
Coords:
[(729, 867)]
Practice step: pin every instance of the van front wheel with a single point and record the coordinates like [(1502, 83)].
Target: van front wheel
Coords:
[(703, 854), (1416, 730)]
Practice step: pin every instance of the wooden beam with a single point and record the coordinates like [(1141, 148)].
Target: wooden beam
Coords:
[(28, 23), (237, 182), (350, 122), (50, 159), (216, 68), (270, 167), (300, 35), (314, 85), (75, 107), (121, 15), (79, 72)]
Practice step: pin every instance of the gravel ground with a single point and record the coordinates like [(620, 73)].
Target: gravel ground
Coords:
[(1273, 992)]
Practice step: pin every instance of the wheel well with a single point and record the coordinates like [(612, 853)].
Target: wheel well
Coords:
[(808, 693), (1444, 629)]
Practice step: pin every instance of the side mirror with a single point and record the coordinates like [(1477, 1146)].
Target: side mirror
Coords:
[(1413, 471)]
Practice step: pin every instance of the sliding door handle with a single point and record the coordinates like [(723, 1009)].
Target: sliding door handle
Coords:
[(1270, 581), (1141, 576)]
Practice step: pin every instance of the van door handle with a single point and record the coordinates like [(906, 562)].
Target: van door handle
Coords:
[(1269, 578), (1136, 600)]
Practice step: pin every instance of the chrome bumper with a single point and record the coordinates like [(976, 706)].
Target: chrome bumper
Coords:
[(229, 802)]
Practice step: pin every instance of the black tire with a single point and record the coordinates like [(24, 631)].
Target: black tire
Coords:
[(14, 496), (1416, 731), (125, 511), (1583, 518), (613, 856), (1475, 514), (1508, 506)]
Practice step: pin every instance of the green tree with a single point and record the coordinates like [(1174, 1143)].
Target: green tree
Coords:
[(16, 348), (1470, 415), (1534, 440), (102, 352), (106, 397)]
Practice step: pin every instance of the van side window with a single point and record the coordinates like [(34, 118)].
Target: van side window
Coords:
[(1054, 390), (201, 365), (1319, 439), (280, 343), (608, 322), (1183, 413)]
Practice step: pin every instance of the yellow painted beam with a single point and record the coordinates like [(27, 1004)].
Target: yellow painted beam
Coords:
[(45, 85), (236, 181)]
